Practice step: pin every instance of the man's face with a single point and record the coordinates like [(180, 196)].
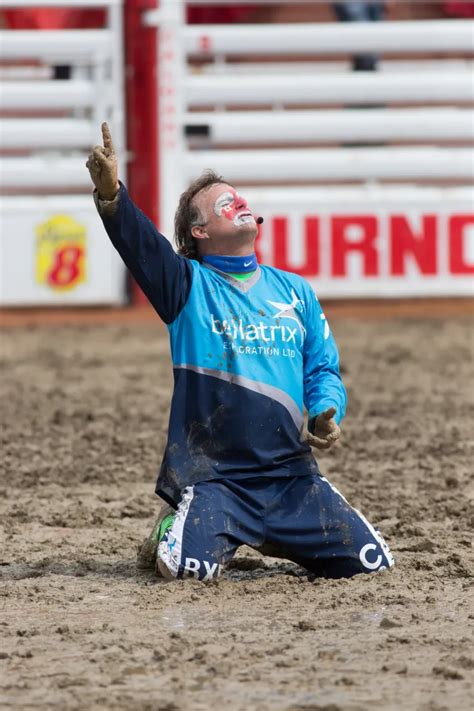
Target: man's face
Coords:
[(229, 221), (233, 207)]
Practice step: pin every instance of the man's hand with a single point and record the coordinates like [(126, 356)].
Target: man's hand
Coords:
[(324, 430), (102, 165)]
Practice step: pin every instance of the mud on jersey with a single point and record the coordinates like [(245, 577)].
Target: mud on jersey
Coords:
[(248, 356)]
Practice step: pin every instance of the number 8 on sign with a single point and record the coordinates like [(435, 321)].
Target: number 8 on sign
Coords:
[(66, 270), (61, 253)]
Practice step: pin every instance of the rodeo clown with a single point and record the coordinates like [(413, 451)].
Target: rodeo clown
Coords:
[(250, 347)]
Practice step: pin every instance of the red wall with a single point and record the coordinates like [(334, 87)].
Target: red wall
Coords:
[(142, 114)]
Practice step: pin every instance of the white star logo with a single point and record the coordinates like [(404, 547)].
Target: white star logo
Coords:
[(326, 326), (289, 311)]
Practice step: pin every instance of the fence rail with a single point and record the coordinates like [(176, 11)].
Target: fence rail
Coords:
[(295, 164), (56, 45), (360, 88), (257, 127), (41, 95), (418, 37), (47, 133)]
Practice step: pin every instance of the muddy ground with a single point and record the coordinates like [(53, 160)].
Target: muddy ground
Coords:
[(84, 416)]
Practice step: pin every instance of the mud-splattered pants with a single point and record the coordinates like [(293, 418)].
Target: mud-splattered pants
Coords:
[(304, 519)]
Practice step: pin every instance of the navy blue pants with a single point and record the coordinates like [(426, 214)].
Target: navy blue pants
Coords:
[(304, 519)]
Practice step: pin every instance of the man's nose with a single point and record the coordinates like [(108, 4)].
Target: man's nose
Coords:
[(240, 202)]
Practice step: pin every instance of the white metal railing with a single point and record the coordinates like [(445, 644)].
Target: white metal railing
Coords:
[(34, 95), (251, 127), (46, 133), (335, 164), (71, 46), (360, 87), (417, 37), (45, 174), (94, 92), (334, 66)]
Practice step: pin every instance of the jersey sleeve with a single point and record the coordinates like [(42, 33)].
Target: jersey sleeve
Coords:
[(323, 387), (164, 276)]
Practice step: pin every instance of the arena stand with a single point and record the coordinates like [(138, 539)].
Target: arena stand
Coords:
[(364, 178), (59, 80)]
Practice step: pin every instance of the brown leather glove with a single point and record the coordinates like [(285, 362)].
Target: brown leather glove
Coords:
[(102, 165), (323, 430)]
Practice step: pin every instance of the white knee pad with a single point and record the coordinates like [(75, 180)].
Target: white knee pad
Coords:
[(164, 565)]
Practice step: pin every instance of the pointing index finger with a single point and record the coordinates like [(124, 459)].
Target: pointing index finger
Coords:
[(107, 138)]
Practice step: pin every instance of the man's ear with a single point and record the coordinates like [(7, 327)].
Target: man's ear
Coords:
[(199, 232)]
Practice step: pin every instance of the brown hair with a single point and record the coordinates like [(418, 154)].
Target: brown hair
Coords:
[(188, 213)]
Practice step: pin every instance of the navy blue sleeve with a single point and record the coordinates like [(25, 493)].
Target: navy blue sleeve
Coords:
[(164, 276)]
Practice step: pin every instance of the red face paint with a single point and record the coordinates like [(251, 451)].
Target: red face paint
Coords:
[(233, 207)]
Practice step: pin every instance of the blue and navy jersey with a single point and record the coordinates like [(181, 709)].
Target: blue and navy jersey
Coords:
[(248, 357)]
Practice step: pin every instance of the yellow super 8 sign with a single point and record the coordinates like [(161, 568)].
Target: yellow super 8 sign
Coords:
[(61, 253)]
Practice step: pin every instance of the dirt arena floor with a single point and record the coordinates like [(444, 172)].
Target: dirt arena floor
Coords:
[(84, 415)]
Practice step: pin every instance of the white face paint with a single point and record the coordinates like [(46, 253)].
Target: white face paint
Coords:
[(243, 219), (223, 203), (226, 206)]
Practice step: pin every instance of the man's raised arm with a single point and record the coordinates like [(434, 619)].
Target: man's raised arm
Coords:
[(103, 169), (164, 276)]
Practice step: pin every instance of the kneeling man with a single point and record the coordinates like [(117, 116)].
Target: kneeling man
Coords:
[(251, 349)]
